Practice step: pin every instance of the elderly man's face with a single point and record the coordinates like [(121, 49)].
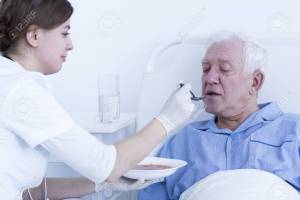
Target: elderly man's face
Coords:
[(225, 85)]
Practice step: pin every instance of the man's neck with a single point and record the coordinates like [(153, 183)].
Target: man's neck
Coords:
[(233, 122)]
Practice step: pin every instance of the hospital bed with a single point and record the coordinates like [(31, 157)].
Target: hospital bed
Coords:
[(180, 59)]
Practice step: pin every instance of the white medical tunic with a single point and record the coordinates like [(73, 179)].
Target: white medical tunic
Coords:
[(32, 125)]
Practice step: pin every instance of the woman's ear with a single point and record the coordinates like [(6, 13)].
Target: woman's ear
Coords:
[(258, 78), (33, 35)]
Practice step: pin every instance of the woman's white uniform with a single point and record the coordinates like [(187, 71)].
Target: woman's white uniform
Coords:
[(32, 124)]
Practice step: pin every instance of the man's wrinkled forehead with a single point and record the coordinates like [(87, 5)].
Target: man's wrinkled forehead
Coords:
[(224, 50)]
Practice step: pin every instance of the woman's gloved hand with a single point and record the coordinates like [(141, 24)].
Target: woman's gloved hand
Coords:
[(177, 109), (125, 184)]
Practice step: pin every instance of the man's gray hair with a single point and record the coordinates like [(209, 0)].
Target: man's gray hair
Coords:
[(255, 56)]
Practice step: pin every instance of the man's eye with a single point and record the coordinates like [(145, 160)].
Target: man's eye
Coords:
[(225, 68), (205, 67)]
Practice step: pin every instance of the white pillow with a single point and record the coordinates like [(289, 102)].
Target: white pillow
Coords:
[(241, 184)]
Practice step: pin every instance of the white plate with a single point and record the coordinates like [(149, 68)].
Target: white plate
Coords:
[(174, 164)]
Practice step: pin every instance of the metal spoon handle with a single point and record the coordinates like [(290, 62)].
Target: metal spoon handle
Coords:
[(193, 98)]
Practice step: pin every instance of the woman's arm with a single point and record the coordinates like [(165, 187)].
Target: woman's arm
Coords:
[(176, 110), (90, 157), (135, 148), (60, 188)]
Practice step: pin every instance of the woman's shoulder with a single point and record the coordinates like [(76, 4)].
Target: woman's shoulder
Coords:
[(13, 76), (39, 79), (28, 81), (14, 71), (26, 85)]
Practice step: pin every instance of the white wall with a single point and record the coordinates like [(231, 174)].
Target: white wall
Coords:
[(119, 35)]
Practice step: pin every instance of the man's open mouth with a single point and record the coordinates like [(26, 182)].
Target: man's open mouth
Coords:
[(212, 93)]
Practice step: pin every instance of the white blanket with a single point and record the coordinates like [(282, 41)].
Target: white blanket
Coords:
[(241, 184)]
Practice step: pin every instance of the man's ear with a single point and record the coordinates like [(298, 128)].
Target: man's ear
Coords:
[(33, 35), (258, 78)]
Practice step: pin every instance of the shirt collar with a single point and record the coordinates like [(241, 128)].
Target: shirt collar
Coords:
[(267, 112), (10, 67)]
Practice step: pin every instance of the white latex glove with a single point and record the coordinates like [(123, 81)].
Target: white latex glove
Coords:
[(177, 109), (125, 184)]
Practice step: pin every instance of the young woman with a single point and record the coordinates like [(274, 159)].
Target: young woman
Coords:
[(34, 41)]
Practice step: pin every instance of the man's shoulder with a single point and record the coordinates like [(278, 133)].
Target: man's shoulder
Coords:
[(191, 129), (186, 137), (200, 124)]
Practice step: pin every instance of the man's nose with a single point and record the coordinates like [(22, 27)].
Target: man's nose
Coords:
[(211, 77)]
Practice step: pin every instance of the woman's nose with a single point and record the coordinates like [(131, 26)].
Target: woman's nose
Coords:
[(70, 45)]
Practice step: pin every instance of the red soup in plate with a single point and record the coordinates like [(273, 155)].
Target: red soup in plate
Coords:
[(151, 167)]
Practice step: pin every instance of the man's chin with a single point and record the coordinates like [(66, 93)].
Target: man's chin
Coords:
[(212, 109)]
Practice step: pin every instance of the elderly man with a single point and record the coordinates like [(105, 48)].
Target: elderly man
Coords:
[(243, 134)]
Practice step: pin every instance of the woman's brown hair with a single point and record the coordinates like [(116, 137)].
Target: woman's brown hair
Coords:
[(16, 16)]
